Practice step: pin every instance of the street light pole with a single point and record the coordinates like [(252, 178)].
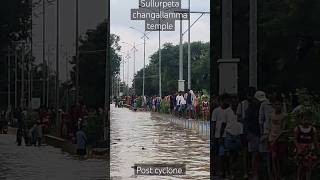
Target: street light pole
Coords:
[(44, 53), (22, 76), (9, 79), (181, 81), (189, 49), (77, 52), (31, 85), (144, 65), (160, 93), (134, 48), (253, 44), (29, 81), (15, 78), (134, 65), (228, 66), (57, 67), (123, 70), (128, 75), (67, 79), (48, 64)]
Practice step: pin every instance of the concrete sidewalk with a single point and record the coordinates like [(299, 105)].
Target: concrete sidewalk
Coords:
[(65, 145), (45, 162)]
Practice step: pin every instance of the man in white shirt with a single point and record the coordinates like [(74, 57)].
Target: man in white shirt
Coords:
[(225, 128), (179, 100), (183, 105)]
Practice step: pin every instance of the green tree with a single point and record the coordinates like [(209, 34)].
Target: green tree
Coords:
[(14, 25), (93, 63), (288, 52), (170, 69), (288, 48)]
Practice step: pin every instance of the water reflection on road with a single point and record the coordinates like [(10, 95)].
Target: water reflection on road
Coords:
[(140, 137)]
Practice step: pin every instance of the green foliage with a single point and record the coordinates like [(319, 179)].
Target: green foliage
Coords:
[(310, 103), (200, 60), (14, 21), (93, 63), (281, 26), (15, 25), (165, 107)]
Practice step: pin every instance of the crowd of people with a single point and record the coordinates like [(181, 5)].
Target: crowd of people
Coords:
[(254, 132), (33, 124), (188, 104)]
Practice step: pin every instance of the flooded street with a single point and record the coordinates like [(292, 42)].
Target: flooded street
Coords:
[(140, 137), (136, 137), (46, 162)]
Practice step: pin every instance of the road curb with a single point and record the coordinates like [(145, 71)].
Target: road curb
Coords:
[(64, 144), (200, 127), (71, 148)]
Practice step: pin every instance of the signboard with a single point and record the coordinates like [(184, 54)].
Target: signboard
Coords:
[(36, 103), (159, 15)]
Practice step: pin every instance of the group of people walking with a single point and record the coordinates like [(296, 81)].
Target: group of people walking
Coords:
[(30, 135), (188, 104), (33, 124), (254, 134)]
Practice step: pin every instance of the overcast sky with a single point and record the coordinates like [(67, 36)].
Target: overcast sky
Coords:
[(120, 23), (93, 12)]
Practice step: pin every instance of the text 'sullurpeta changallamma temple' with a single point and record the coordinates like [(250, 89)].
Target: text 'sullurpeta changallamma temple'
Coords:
[(159, 14)]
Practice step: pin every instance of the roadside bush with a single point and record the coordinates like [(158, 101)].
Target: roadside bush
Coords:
[(309, 102), (165, 107)]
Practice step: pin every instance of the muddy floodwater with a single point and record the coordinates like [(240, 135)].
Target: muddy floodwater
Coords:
[(146, 138)]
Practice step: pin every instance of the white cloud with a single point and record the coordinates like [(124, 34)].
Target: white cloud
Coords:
[(120, 23)]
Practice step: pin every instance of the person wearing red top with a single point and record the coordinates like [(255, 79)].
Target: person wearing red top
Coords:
[(205, 109), (306, 143)]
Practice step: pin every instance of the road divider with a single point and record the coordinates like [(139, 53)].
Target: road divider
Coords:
[(200, 127)]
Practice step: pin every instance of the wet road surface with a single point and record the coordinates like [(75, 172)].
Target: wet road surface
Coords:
[(46, 162), (141, 137)]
